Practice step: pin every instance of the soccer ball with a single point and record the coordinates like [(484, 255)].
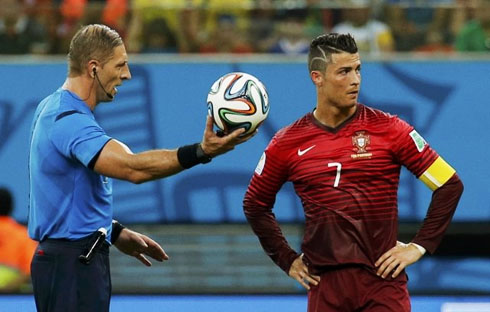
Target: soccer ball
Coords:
[(238, 100)]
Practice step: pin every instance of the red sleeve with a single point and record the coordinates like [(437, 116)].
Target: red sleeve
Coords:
[(270, 175), (410, 148), (441, 210), (416, 155)]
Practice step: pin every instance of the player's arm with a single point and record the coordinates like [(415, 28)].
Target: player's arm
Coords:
[(447, 189), (257, 205), (269, 176), (116, 160), (414, 152)]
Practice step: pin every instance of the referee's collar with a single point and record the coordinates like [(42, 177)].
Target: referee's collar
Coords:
[(75, 102)]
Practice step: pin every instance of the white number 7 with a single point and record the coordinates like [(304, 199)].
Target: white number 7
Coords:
[(337, 177)]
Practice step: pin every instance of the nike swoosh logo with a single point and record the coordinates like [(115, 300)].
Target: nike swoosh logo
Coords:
[(302, 152)]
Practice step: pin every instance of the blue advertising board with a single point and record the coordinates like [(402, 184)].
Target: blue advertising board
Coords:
[(164, 106)]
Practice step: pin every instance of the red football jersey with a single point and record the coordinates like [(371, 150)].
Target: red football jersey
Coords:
[(347, 180)]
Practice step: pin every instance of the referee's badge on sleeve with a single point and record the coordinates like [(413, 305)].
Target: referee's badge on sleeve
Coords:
[(419, 141), (260, 165)]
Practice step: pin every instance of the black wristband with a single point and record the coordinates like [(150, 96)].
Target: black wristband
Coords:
[(191, 155), (116, 230)]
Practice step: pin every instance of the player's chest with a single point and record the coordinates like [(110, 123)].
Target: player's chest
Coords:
[(358, 150)]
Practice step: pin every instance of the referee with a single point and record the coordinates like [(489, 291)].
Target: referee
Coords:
[(71, 163)]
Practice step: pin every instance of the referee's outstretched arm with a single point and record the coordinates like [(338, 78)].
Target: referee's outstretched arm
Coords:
[(117, 161)]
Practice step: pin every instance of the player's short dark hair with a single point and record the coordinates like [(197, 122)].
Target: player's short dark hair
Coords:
[(91, 42), (6, 205), (322, 48)]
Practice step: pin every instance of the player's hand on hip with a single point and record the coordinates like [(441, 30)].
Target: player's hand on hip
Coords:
[(138, 245), (396, 259), (214, 144), (299, 271)]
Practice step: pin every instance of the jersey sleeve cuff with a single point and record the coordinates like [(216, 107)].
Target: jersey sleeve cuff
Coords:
[(420, 248)]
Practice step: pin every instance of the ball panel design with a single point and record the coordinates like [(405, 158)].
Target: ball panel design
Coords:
[(238, 100)]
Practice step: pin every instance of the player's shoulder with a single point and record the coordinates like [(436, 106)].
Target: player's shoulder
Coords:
[(291, 131), (371, 112), (377, 115), (382, 120)]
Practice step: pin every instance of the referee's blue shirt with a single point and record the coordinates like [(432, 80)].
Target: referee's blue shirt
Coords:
[(67, 199)]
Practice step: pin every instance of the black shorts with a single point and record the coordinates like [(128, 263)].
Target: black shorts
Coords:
[(62, 283)]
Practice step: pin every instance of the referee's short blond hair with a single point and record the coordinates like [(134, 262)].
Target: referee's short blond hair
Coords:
[(91, 42)]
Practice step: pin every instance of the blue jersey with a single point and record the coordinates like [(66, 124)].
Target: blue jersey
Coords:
[(67, 198)]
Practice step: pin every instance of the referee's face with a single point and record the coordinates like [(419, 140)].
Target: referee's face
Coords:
[(341, 81), (112, 75)]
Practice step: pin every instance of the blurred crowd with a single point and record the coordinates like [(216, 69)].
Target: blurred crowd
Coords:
[(248, 26)]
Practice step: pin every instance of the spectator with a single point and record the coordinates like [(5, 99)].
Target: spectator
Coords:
[(226, 38), (434, 43), (474, 36), (182, 19), (261, 29), (20, 34), (74, 13), (291, 33), (371, 35), (424, 28), (319, 19), (16, 248), (158, 38), (193, 22), (213, 9), (110, 12), (230, 17)]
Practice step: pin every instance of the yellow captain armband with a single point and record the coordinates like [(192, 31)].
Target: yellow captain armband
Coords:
[(437, 174)]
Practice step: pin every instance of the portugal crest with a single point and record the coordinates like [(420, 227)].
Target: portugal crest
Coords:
[(361, 141)]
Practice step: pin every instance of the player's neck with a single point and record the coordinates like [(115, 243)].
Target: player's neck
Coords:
[(82, 87), (332, 116)]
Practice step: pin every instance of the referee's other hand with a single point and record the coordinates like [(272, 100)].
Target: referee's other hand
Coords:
[(138, 245)]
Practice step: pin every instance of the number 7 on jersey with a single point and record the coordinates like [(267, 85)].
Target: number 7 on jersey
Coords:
[(337, 176)]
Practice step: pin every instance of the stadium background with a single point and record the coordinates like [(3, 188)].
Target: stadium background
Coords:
[(216, 262), (197, 215)]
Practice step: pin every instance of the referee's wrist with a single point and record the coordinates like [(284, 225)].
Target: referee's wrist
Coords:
[(191, 155), (116, 230)]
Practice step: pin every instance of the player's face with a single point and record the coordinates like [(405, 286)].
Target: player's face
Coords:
[(112, 74), (341, 82)]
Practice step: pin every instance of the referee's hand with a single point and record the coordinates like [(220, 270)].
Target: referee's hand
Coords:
[(299, 271), (138, 245), (214, 144)]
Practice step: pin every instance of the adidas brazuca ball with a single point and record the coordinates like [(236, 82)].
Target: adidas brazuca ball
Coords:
[(238, 100)]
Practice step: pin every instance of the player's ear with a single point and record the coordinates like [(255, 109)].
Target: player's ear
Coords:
[(317, 78)]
